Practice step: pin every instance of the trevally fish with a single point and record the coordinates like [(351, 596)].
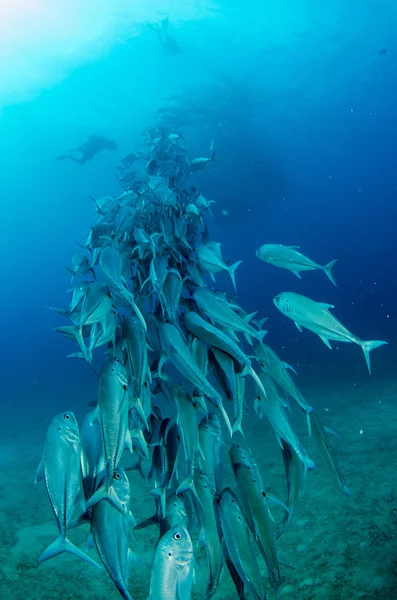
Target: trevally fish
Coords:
[(316, 317), (272, 408), (278, 371), (238, 545), (217, 338), (111, 266), (179, 354), (321, 438), (253, 500), (288, 257), (220, 313), (92, 459), (112, 414), (172, 568), (186, 421), (295, 473), (209, 535), (209, 459), (210, 259), (60, 468), (110, 533), (198, 164)]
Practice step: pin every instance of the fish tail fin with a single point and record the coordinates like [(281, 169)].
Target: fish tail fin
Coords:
[(367, 347), (261, 335), (232, 270), (237, 427), (62, 544), (328, 270)]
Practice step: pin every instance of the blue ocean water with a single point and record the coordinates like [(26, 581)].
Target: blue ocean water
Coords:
[(299, 101)]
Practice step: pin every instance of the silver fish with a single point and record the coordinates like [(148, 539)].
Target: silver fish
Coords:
[(111, 266), (288, 257), (220, 313), (206, 511), (172, 568), (236, 536), (112, 414), (180, 356), (316, 317), (272, 408), (295, 473), (321, 438), (253, 500), (209, 458), (61, 470), (209, 255), (278, 371), (110, 533)]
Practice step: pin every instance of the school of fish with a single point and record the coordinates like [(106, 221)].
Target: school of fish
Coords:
[(183, 363)]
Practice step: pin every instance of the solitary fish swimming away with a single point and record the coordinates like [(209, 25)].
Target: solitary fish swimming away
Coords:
[(316, 317), (288, 257)]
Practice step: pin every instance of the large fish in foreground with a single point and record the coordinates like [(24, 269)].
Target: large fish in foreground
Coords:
[(172, 568), (288, 257), (316, 317), (60, 469)]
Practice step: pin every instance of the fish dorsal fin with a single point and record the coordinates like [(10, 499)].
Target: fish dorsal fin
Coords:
[(326, 306)]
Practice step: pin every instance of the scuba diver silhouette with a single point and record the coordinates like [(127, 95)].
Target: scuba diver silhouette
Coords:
[(89, 149), (170, 45)]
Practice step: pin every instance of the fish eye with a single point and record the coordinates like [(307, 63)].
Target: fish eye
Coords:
[(179, 496), (116, 475), (66, 417), (210, 417), (117, 360), (234, 500), (277, 298), (176, 536)]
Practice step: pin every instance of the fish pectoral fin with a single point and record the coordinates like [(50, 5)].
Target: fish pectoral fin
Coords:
[(287, 366), (297, 274), (128, 441), (326, 341), (298, 326), (329, 431), (39, 472)]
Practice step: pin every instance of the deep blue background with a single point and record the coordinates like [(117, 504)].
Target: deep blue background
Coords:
[(305, 132)]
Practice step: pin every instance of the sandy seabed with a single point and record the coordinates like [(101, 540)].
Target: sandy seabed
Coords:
[(339, 548)]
